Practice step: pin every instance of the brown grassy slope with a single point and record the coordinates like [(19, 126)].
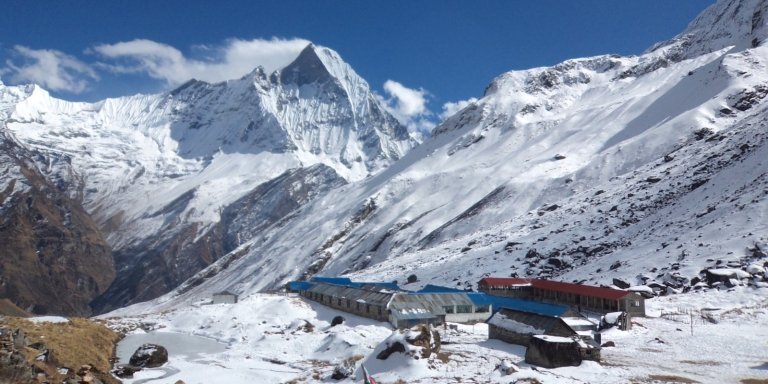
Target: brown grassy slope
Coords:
[(8, 308), (76, 343)]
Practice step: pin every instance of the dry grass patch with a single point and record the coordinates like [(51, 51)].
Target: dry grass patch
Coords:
[(75, 343), (8, 308), (754, 381)]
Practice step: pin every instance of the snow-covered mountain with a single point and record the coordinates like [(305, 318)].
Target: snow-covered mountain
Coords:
[(157, 171), (648, 168)]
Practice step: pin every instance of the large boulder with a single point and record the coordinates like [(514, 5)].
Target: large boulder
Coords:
[(420, 341), (149, 356)]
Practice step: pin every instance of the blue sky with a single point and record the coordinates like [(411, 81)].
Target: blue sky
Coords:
[(440, 51)]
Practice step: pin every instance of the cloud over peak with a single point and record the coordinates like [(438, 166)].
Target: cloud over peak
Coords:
[(232, 60), (52, 69), (409, 106)]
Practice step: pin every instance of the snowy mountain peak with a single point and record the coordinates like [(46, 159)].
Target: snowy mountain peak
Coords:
[(740, 24), (308, 67)]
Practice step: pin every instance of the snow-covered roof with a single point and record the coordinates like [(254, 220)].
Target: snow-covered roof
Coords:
[(502, 321)]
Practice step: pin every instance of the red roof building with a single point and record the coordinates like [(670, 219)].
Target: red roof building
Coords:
[(583, 297)]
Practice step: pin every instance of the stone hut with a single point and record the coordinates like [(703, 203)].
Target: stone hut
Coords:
[(225, 297), (555, 351), (518, 327)]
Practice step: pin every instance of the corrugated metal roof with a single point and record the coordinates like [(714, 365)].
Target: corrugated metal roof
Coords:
[(520, 321), (355, 294), (557, 286), (407, 310), (331, 280), (379, 284), (530, 306), (440, 299), (497, 302), (299, 285)]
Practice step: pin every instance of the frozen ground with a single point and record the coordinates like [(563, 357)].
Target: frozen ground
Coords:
[(278, 339)]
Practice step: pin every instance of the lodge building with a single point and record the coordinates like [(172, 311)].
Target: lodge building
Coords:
[(578, 296)]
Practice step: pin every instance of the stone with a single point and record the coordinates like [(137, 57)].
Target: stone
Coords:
[(149, 356), (620, 283), (337, 321), (392, 348), (608, 344), (341, 372), (125, 371)]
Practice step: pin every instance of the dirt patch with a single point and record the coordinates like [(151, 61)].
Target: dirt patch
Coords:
[(754, 381), (671, 379), (702, 362)]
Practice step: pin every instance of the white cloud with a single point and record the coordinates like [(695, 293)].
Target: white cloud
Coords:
[(409, 102), (409, 107), (232, 60), (52, 69), (450, 108)]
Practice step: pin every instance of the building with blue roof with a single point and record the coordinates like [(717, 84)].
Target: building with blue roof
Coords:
[(299, 286), (345, 281)]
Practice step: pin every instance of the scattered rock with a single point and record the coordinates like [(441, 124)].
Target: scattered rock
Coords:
[(608, 344), (149, 356), (615, 266), (341, 372), (338, 320), (621, 283), (507, 368), (559, 157), (125, 371)]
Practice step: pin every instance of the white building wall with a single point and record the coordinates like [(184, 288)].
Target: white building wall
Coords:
[(224, 299), (467, 317)]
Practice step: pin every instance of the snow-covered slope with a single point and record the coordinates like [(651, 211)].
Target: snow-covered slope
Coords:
[(591, 169), (158, 170)]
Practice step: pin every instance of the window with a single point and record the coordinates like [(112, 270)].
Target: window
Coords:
[(368, 308), (636, 303), (463, 309), (448, 309), (482, 308)]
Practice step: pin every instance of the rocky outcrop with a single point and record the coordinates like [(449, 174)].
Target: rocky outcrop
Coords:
[(149, 356), (55, 258), (420, 341)]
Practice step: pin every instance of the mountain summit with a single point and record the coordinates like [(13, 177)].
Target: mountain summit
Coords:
[(646, 168), (157, 171), (738, 24)]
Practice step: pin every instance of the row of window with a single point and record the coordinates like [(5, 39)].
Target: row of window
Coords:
[(358, 306)]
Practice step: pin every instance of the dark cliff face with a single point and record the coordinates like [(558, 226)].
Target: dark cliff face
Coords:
[(161, 263), (55, 260)]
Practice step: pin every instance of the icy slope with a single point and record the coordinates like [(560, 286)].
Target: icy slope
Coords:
[(656, 162), (158, 170)]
